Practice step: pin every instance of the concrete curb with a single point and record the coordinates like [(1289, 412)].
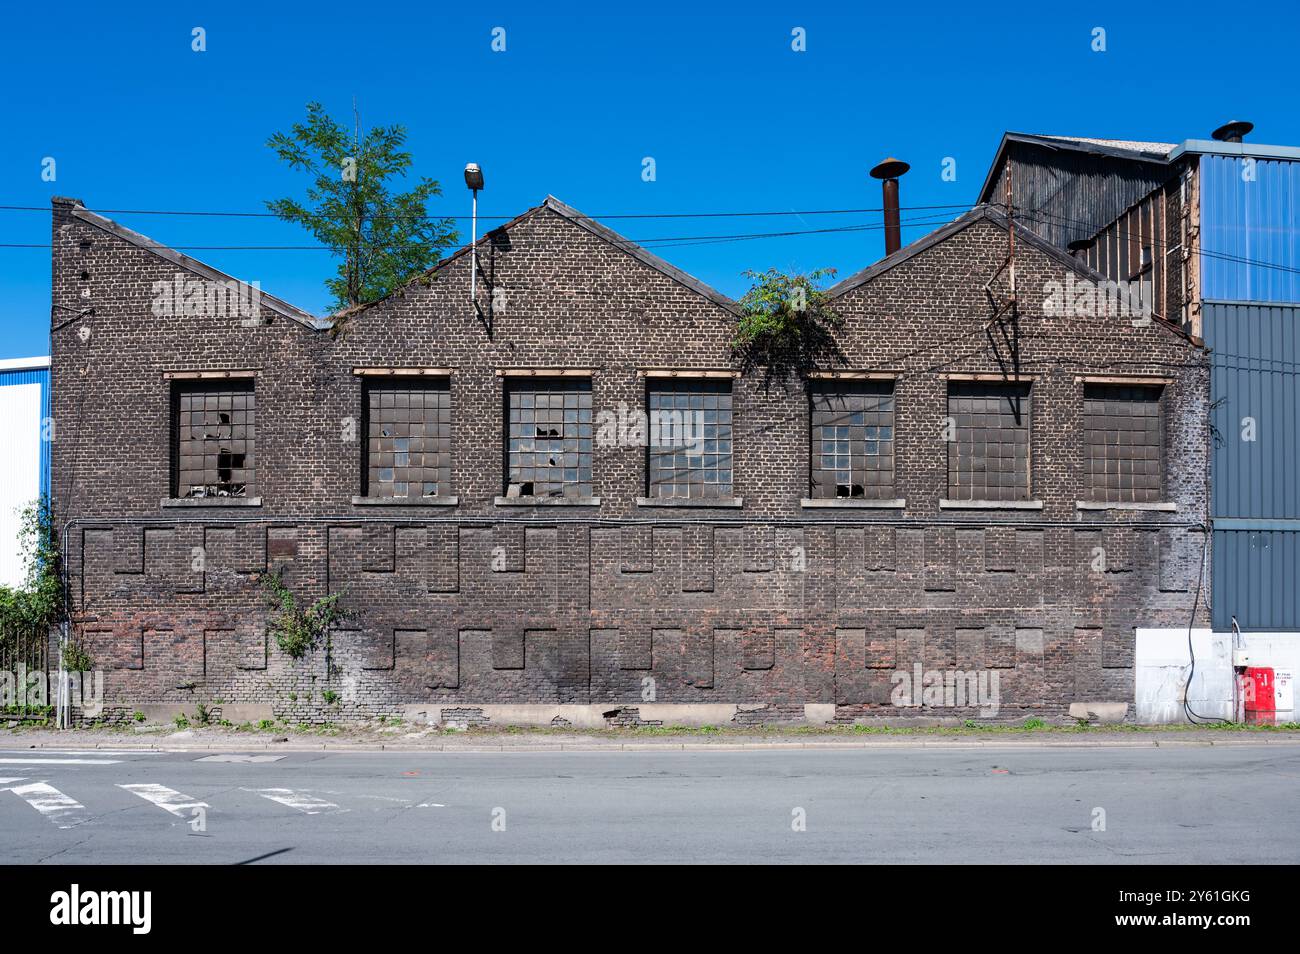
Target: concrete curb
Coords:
[(668, 746)]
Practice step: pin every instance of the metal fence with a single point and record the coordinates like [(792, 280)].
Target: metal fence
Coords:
[(23, 649)]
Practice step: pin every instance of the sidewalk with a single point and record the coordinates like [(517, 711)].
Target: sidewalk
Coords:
[(430, 739)]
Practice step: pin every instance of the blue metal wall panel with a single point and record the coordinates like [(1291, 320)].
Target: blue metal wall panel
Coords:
[(39, 376), (1256, 580), (1255, 375), (1255, 483), (1250, 229)]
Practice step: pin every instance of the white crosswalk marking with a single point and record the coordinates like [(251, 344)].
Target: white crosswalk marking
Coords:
[(59, 762), (307, 804), (168, 799), (6, 781), (240, 758), (49, 801)]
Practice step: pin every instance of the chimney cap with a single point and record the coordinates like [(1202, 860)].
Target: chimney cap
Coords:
[(891, 168), (1233, 131)]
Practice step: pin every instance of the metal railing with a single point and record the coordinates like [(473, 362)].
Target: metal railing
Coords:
[(24, 650)]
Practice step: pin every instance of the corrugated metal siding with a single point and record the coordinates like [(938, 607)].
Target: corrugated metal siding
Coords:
[(1250, 230), (1255, 374), (1255, 370), (1066, 195), (1256, 579)]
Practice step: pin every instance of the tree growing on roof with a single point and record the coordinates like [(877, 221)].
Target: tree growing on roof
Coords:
[(384, 237), (787, 324)]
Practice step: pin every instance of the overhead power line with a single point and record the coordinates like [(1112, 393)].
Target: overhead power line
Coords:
[(1125, 234), (506, 218), (647, 242)]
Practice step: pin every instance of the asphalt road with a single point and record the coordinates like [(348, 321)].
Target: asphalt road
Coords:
[(889, 805)]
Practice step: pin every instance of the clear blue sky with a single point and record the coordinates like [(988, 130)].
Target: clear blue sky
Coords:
[(734, 118)]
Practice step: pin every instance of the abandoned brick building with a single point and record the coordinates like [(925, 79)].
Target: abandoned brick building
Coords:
[(967, 487)]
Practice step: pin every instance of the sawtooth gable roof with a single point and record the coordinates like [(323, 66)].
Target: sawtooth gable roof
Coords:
[(606, 234), (278, 305), (981, 213)]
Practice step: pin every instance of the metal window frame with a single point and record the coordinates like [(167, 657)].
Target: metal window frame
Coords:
[(1095, 494), (992, 382), (203, 382), (518, 380), (714, 382), (372, 383), (841, 384)]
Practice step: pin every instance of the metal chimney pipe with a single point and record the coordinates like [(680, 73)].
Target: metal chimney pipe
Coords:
[(889, 172), (1233, 131)]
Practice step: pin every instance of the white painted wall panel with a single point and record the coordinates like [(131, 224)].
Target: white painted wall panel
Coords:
[(1162, 662), (20, 469)]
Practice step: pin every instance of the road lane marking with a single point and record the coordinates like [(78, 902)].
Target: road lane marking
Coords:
[(301, 801), (168, 799), (6, 781), (430, 805), (240, 758), (59, 762), (64, 811), (35, 751)]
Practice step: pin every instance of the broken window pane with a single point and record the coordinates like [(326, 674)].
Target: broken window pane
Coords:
[(213, 439), (852, 439), (548, 437)]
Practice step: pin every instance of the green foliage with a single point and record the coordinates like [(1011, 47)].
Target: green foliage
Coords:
[(76, 658), (38, 602), (182, 722), (138, 716), (787, 324), (298, 631), (1034, 723), (202, 714), (330, 697), (385, 238)]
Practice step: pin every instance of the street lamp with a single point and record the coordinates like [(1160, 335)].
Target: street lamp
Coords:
[(474, 180)]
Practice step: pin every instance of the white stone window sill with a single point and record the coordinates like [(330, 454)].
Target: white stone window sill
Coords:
[(1163, 506), (690, 502), (945, 504), (547, 501), (865, 503), (405, 501), (211, 502)]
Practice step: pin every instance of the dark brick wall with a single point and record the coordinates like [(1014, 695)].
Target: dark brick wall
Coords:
[(770, 603)]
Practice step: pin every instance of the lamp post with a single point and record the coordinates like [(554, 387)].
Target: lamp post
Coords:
[(474, 180)]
